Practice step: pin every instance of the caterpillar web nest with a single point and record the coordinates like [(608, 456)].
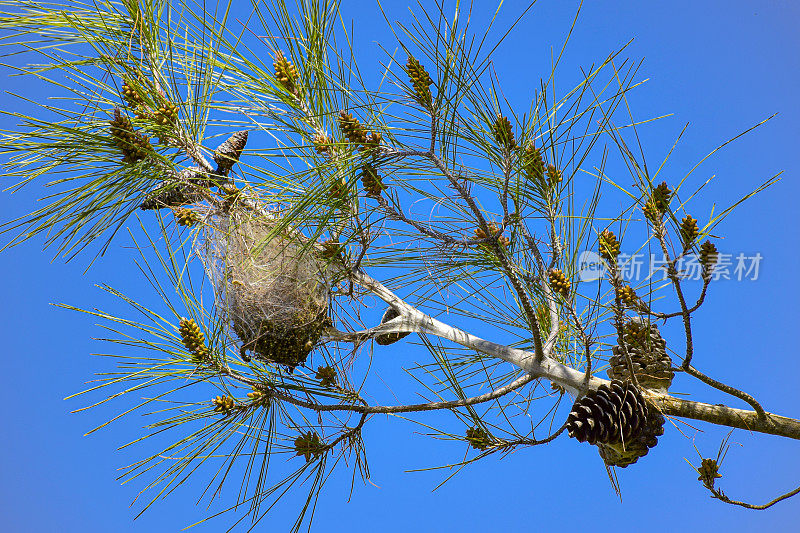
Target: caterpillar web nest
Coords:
[(271, 285)]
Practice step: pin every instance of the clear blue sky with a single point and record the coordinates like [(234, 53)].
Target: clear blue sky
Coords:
[(721, 66)]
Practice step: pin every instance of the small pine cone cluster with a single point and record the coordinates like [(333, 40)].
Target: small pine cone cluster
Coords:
[(308, 445), (258, 397), (357, 134), (533, 163), (166, 115), (661, 197), (373, 140), (625, 453), (648, 353), (609, 246), (352, 128), (610, 414), (130, 95), (709, 472), (228, 153), (493, 229), (478, 438), (193, 339), (371, 180), (389, 338), (553, 175), (285, 73), (421, 82), (322, 144), (223, 404), (134, 146), (658, 203), (650, 212), (326, 376), (559, 282), (689, 231), (186, 217), (503, 133), (628, 296), (708, 257)]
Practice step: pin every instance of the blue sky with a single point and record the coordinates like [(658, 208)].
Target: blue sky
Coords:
[(721, 67)]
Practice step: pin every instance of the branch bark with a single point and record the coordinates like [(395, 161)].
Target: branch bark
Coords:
[(574, 381), (728, 416)]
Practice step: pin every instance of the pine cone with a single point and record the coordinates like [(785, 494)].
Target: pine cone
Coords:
[(338, 188), (130, 95), (478, 438), (647, 350), (493, 229), (609, 246), (689, 231), (610, 414), (661, 197), (373, 140), (708, 257), (331, 250), (285, 73), (553, 175), (229, 152), (533, 163), (502, 132), (626, 453), (421, 81), (133, 145), (559, 282), (193, 339), (628, 296), (322, 144), (186, 217), (371, 180), (651, 213), (352, 128), (259, 397), (390, 338), (166, 115), (223, 404), (709, 472)]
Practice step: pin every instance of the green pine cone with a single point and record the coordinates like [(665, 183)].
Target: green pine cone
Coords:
[(421, 82), (689, 231), (503, 133), (609, 246)]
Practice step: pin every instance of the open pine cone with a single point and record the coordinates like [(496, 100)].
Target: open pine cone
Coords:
[(610, 414), (628, 452), (648, 353)]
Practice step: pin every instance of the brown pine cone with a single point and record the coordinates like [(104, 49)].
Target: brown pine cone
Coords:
[(623, 454), (647, 350), (390, 338), (610, 414)]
